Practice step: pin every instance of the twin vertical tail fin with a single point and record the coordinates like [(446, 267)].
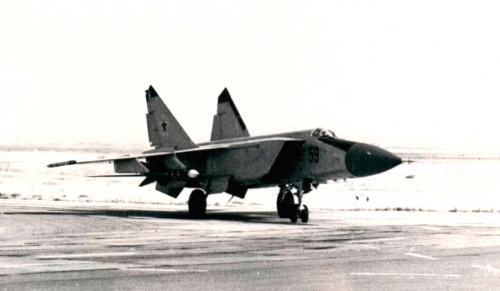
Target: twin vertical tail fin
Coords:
[(227, 122), (166, 133), (164, 130)]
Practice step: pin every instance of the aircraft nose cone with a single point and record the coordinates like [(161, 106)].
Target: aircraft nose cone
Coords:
[(364, 160)]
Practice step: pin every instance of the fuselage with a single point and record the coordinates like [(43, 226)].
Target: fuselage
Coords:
[(267, 164), (312, 160)]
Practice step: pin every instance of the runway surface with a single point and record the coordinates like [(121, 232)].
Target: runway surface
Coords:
[(84, 246)]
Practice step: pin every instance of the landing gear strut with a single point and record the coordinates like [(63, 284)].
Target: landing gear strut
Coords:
[(287, 206), (197, 204)]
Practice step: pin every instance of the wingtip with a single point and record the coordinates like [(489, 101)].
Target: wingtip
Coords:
[(72, 162)]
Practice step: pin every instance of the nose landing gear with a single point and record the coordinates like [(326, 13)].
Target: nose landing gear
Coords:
[(304, 214), (289, 205)]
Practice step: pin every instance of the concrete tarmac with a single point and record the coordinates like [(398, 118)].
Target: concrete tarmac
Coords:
[(88, 246)]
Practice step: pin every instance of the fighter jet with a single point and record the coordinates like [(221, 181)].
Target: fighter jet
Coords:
[(234, 162)]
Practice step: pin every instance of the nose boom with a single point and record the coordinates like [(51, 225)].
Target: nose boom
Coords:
[(364, 160)]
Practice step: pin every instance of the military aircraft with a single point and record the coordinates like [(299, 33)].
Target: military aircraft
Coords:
[(233, 162)]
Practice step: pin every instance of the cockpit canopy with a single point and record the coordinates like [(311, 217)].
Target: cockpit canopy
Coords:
[(321, 132)]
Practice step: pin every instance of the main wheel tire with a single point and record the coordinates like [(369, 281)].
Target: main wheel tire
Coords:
[(294, 215), (288, 204), (197, 204), (279, 205), (304, 214)]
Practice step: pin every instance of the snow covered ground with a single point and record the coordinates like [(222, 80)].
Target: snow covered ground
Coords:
[(438, 180)]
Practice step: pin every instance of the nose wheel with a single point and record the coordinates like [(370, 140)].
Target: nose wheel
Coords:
[(288, 208), (297, 213), (304, 214)]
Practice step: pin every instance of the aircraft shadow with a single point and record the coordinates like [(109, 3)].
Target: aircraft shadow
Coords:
[(241, 216)]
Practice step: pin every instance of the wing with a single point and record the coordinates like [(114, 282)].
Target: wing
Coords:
[(205, 148)]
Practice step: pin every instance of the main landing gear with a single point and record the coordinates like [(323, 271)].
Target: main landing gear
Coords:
[(288, 208), (289, 204), (197, 204)]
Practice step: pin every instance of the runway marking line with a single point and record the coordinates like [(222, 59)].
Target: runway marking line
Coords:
[(487, 267), (419, 256), (405, 274)]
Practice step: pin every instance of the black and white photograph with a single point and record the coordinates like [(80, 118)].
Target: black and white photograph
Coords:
[(249, 145)]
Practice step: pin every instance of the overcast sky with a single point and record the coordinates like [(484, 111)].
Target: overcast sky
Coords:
[(409, 73)]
